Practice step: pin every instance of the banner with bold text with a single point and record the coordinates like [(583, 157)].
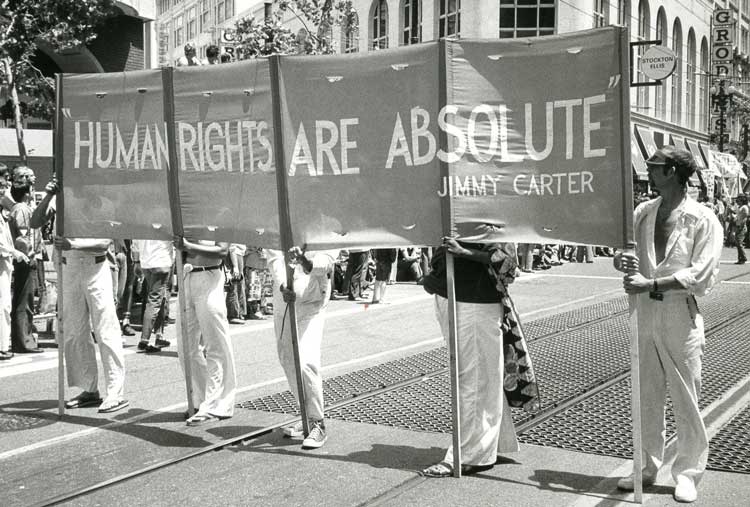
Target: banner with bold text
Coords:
[(535, 139)]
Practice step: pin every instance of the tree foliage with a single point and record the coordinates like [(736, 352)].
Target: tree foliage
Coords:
[(317, 18), (56, 24)]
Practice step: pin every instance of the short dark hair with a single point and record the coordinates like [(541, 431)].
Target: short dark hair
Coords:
[(226, 58), (681, 160), (212, 51)]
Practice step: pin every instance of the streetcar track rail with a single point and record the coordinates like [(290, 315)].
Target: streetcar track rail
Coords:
[(548, 413)]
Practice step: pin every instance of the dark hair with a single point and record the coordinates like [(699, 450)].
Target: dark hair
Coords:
[(681, 160), (212, 51), (18, 193), (226, 58)]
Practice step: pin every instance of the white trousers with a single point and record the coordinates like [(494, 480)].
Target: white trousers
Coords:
[(88, 303), (486, 422), (671, 339), (208, 345), (6, 298), (310, 324)]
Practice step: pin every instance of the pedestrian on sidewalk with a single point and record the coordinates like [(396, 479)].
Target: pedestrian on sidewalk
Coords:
[(208, 346), (679, 244), (740, 227), (494, 367), (310, 294), (383, 262), (88, 306)]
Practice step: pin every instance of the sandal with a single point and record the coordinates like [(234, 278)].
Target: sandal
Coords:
[(438, 470), (199, 419)]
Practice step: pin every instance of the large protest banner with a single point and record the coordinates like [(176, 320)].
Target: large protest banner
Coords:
[(224, 135), (535, 139), (360, 138), (114, 158)]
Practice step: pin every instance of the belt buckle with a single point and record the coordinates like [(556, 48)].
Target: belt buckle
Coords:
[(657, 296)]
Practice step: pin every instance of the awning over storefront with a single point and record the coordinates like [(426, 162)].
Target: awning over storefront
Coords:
[(679, 142), (646, 136), (637, 160), (699, 158), (710, 168)]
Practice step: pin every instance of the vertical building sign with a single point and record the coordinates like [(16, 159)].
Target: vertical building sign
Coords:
[(722, 52), (163, 44)]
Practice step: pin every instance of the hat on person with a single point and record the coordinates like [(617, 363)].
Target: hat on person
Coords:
[(658, 158)]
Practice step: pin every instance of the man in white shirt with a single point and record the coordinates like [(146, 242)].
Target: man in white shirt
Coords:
[(153, 260), (87, 303), (679, 244)]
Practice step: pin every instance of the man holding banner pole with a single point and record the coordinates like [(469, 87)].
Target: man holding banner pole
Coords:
[(679, 244), (494, 368), (207, 351), (310, 292)]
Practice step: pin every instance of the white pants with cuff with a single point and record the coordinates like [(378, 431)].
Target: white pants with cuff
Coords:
[(671, 341), (208, 344), (88, 305), (6, 299), (486, 423)]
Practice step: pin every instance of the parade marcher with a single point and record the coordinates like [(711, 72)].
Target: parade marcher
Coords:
[(207, 341), (8, 254), (190, 59), (311, 293), (28, 240), (740, 227), (153, 260), (356, 272), (494, 368), (679, 244), (88, 302), (236, 302), (212, 55)]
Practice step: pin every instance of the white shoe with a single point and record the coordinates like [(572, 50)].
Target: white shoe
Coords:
[(317, 436), (294, 431), (628, 483), (684, 491)]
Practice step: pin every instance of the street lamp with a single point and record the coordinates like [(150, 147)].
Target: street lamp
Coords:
[(721, 98)]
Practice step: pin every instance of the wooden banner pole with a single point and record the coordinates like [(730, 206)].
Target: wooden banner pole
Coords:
[(173, 188), (285, 230), (57, 157), (629, 243), (447, 218)]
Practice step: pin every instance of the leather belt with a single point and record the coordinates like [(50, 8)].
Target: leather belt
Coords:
[(97, 260), (198, 269)]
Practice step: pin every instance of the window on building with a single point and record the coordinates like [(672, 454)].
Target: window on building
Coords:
[(690, 79), (205, 15), (644, 30), (745, 40), (526, 18), (177, 22), (676, 78), (412, 24), (703, 87), (379, 24), (228, 9), (661, 34), (449, 18), (219, 17), (623, 12), (191, 24), (162, 6), (350, 36), (601, 13)]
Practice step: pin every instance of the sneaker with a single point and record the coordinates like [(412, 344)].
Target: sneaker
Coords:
[(628, 483), (684, 491), (294, 431), (142, 345), (237, 321), (127, 330), (160, 342), (317, 436), (84, 399)]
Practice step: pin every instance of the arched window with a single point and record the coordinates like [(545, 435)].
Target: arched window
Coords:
[(350, 34), (690, 79), (449, 18), (623, 12), (661, 34), (644, 32), (703, 87), (411, 26), (676, 78), (601, 13), (526, 18), (379, 24)]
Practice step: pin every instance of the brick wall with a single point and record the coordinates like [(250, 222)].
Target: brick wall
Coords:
[(119, 45)]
